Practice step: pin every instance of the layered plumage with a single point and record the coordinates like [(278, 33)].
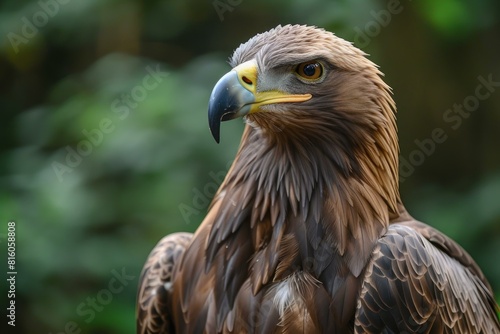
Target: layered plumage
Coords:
[(307, 233)]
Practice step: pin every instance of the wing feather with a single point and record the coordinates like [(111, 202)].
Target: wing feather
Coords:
[(416, 284), (155, 284)]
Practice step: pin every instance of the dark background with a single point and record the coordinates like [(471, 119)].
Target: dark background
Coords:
[(148, 167)]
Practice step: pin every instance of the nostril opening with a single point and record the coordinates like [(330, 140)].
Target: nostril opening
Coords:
[(246, 80)]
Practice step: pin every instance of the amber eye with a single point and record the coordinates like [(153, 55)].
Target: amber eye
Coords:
[(310, 70)]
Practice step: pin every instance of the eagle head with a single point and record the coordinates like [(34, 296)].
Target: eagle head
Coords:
[(303, 88)]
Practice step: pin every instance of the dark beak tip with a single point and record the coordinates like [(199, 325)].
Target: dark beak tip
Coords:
[(216, 137), (214, 124), (215, 131)]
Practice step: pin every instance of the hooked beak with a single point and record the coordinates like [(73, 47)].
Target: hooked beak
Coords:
[(235, 95)]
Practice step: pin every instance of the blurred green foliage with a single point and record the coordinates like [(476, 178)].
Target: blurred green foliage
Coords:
[(70, 67)]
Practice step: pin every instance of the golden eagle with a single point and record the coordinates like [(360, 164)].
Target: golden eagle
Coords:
[(308, 233)]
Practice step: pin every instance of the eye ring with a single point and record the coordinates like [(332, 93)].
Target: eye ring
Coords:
[(310, 70)]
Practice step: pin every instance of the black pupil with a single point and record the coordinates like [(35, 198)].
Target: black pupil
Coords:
[(310, 69)]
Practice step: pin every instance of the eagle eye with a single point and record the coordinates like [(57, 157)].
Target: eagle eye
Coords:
[(310, 70)]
